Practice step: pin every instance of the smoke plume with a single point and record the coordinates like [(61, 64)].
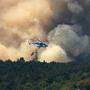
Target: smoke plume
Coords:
[(64, 23)]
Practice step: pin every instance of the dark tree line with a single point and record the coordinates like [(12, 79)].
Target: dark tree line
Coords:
[(35, 75)]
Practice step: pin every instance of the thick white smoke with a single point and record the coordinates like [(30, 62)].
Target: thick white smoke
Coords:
[(53, 53)]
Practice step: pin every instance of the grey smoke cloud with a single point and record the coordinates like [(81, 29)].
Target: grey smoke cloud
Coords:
[(66, 37)]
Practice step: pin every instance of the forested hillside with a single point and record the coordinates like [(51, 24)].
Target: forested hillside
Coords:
[(35, 75)]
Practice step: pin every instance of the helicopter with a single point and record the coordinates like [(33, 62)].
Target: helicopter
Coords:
[(40, 44)]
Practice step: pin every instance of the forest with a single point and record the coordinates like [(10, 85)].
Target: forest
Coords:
[(35, 75)]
